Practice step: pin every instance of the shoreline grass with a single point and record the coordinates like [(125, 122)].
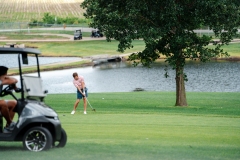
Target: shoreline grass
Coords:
[(144, 126), (50, 67)]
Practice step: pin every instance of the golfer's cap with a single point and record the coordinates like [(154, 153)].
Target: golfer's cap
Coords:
[(3, 70)]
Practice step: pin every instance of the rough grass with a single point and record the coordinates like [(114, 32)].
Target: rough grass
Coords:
[(83, 48), (19, 36), (233, 49), (144, 126)]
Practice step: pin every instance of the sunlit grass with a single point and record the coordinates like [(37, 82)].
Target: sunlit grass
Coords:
[(144, 125), (32, 37), (233, 49), (83, 48)]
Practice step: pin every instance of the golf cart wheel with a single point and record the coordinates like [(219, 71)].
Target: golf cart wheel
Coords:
[(37, 139), (62, 142)]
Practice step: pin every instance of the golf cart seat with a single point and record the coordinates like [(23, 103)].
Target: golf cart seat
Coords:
[(33, 87)]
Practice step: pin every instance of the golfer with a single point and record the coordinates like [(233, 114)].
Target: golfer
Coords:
[(79, 83)]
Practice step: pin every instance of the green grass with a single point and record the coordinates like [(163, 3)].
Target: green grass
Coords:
[(144, 125), (83, 48), (233, 49), (155, 102), (100, 47), (94, 47), (20, 36), (24, 35)]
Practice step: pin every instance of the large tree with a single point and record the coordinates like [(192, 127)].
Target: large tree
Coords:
[(168, 29)]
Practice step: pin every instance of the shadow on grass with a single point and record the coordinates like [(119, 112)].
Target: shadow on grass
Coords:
[(11, 148)]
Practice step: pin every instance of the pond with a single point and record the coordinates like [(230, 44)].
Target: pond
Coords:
[(122, 77)]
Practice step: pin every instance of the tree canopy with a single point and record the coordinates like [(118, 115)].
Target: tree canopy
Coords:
[(168, 29)]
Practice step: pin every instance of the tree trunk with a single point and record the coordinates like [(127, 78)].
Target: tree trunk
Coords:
[(181, 99)]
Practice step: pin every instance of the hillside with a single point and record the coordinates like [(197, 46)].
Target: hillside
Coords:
[(25, 10)]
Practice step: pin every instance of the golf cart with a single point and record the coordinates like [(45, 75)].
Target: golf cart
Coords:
[(38, 125), (78, 34), (96, 33)]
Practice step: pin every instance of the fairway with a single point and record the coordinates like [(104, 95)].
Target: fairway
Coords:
[(83, 48), (143, 125)]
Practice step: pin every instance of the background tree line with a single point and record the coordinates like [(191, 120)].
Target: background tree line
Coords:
[(53, 19)]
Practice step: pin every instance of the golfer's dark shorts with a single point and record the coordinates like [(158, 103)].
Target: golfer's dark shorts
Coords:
[(79, 95)]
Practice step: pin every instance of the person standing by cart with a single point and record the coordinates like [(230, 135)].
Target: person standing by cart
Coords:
[(79, 83)]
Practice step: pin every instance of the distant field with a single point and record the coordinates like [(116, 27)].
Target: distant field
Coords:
[(25, 10)]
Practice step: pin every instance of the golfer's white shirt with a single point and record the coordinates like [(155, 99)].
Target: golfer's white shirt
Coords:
[(78, 83)]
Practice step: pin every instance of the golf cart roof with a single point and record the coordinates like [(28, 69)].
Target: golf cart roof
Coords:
[(11, 50)]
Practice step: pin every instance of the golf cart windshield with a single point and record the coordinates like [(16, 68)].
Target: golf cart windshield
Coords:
[(77, 32)]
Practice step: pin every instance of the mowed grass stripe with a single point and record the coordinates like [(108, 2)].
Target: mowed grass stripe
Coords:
[(150, 135), (144, 126), (200, 103)]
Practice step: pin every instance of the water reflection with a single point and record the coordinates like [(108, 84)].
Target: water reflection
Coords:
[(122, 77)]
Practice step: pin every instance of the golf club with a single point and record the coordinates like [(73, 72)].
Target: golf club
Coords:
[(90, 105)]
